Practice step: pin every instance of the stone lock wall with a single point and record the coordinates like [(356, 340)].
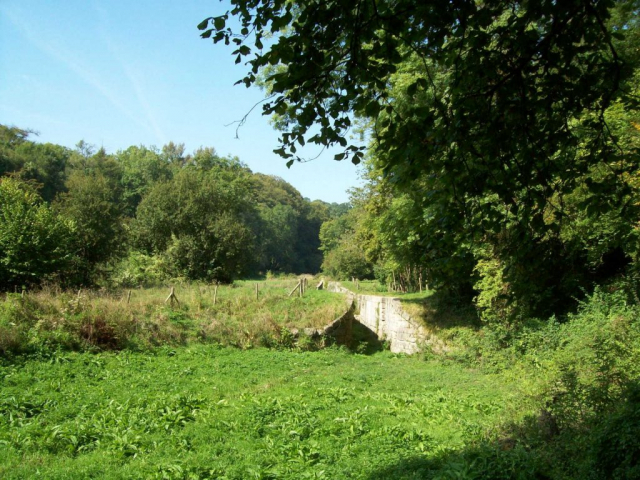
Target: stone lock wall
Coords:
[(340, 330), (385, 317)]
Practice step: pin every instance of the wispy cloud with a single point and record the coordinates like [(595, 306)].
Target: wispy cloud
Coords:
[(58, 52), (133, 75)]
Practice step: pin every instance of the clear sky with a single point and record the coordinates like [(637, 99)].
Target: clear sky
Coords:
[(116, 73)]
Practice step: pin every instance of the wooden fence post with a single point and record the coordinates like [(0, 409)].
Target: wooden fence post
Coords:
[(128, 297), (256, 292), (172, 298), (215, 294), (294, 289)]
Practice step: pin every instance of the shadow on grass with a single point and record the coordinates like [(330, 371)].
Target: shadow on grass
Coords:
[(603, 444), (491, 461), (364, 340), (442, 312)]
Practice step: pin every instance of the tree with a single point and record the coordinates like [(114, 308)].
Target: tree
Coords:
[(94, 202), (508, 62), (278, 238), (199, 220), (10, 139), (35, 244), (174, 154), (288, 236), (141, 168), (313, 215), (46, 163), (342, 241), (347, 260)]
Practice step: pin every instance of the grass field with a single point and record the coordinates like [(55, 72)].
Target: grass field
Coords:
[(93, 386), (212, 412)]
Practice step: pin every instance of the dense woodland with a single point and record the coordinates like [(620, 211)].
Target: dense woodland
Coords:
[(143, 215), (502, 166)]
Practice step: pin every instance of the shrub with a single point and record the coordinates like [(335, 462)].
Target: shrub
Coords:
[(137, 270), (616, 445)]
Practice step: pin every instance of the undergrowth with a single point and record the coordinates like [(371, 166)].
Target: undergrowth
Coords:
[(582, 370), (538, 399)]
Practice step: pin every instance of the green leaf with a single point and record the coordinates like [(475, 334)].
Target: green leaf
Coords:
[(219, 23), (204, 24), (372, 109)]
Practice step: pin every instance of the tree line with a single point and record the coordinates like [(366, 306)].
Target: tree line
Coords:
[(143, 215)]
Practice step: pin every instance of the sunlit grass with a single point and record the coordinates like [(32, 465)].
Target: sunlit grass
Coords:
[(373, 287), (209, 412)]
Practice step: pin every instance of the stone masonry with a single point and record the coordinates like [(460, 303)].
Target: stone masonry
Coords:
[(385, 317)]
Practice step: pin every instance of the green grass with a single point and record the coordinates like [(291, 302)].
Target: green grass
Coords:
[(546, 400), (211, 412)]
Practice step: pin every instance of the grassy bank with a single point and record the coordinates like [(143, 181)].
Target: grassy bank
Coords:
[(49, 319), (582, 370)]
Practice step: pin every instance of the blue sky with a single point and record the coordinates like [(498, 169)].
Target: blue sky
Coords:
[(119, 73)]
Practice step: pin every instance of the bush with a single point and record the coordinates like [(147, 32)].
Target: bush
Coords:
[(586, 370), (137, 270), (347, 260), (616, 445)]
